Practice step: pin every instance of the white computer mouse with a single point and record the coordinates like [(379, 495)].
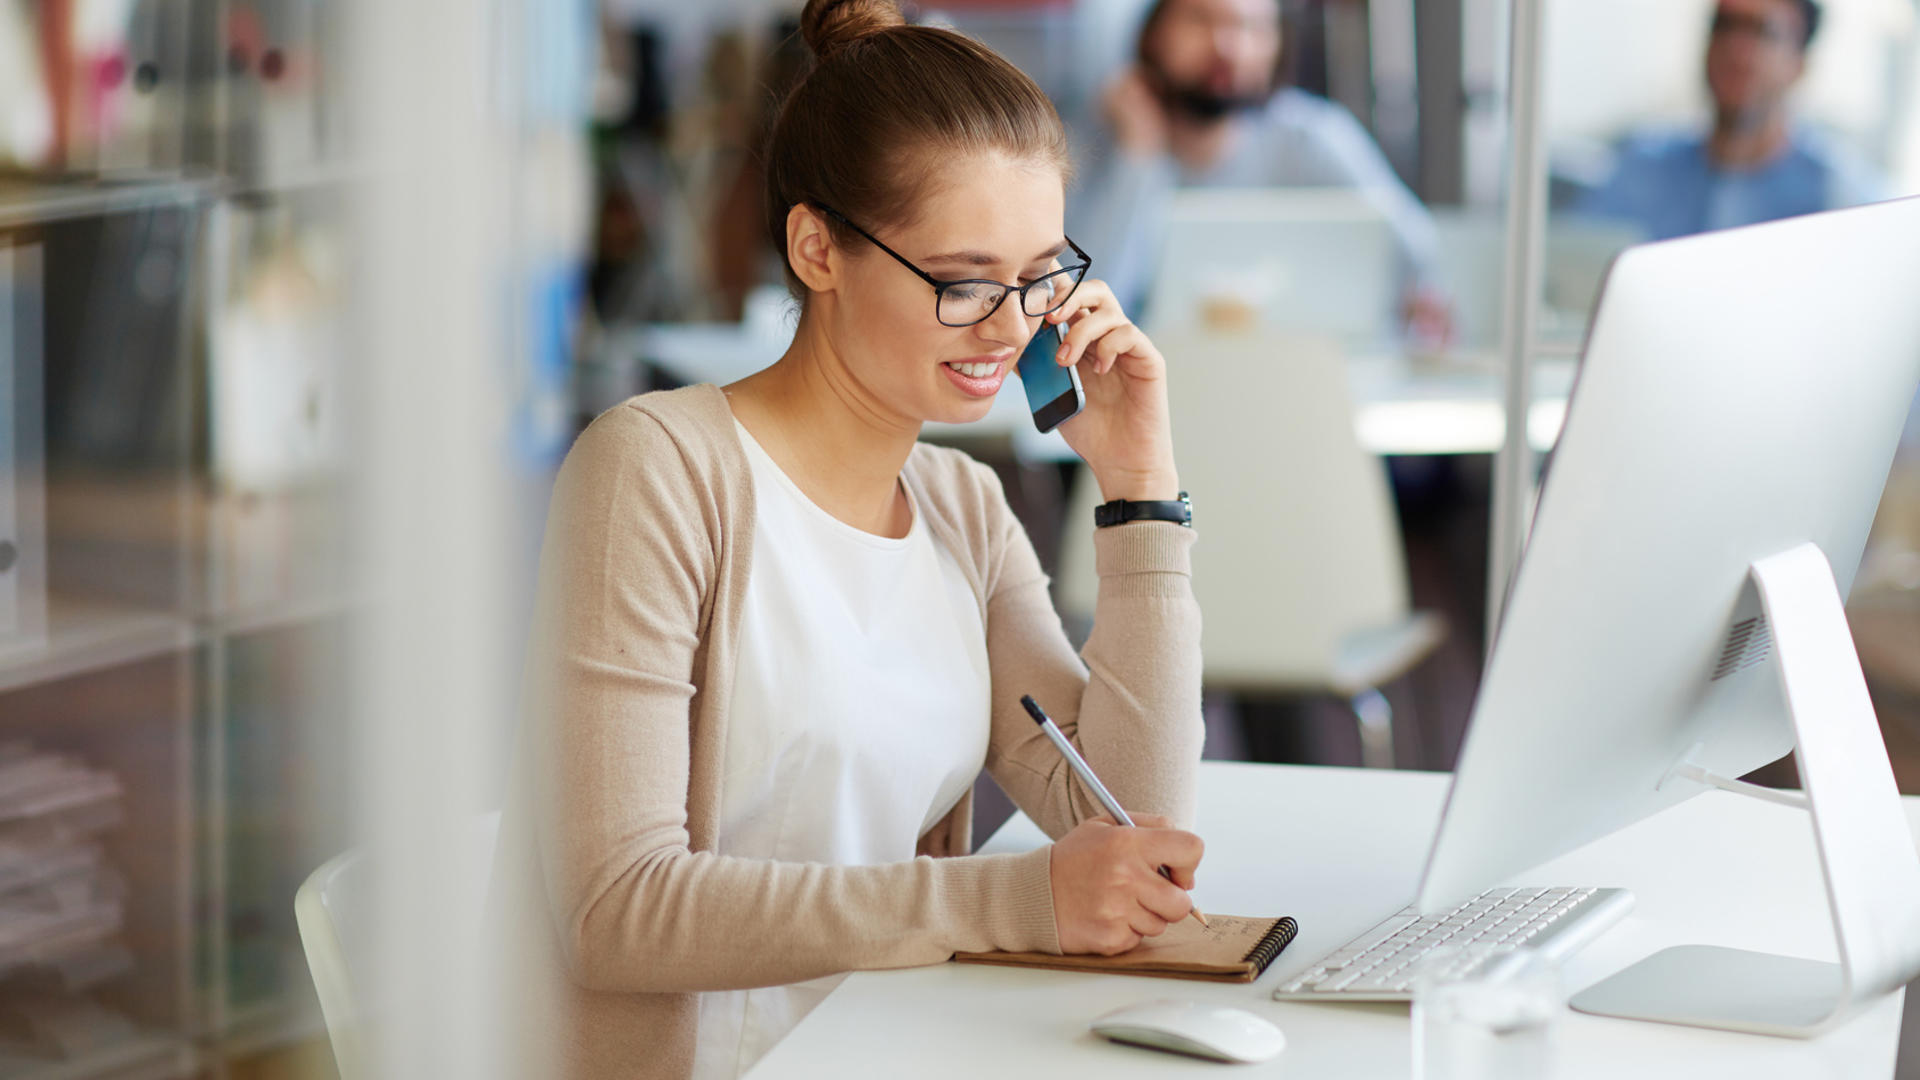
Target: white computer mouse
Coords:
[(1204, 1030)]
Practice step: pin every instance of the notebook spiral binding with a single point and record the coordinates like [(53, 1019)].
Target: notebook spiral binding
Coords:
[(1271, 942)]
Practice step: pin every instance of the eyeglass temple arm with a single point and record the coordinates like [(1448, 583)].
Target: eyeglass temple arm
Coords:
[(875, 241)]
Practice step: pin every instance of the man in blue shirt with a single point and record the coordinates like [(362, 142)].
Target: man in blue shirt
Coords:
[(1755, 165)]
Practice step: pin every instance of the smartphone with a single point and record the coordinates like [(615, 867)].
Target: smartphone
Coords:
[(1053, 392)]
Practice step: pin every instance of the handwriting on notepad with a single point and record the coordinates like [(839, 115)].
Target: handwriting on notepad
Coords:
[(1225, 929)]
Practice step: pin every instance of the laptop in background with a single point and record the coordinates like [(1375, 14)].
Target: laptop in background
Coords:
[(1314, 261)]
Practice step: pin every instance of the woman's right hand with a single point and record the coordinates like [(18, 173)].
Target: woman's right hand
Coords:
[(1107, 890)]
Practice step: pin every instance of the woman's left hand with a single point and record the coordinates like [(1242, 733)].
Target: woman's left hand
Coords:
[(1123, 433)]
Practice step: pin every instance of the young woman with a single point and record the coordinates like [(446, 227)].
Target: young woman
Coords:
[(780, 637)]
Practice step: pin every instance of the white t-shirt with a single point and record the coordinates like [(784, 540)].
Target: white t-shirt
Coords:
[(859, 717)]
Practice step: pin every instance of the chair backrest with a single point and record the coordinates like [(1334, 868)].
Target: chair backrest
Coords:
[(333, 910), (1299, 543)]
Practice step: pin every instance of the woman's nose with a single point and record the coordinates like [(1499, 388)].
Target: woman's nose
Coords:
[(1011, 320)]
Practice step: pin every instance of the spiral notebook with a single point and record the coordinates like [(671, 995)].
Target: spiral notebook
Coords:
[(1233, 949)]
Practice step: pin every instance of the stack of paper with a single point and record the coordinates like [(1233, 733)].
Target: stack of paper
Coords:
[(62, 906)]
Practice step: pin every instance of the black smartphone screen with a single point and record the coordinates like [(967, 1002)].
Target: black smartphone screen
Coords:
[(1050, 391)]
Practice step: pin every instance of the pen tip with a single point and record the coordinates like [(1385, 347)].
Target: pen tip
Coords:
[(1033, 708)]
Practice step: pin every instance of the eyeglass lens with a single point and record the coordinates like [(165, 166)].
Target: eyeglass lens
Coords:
[(967, 302)]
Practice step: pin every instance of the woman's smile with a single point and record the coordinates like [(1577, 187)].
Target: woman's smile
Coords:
[(978, 376)]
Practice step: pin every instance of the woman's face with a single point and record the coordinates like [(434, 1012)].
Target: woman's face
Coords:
[(987, 216)]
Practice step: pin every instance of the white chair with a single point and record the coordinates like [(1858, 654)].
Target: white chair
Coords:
[(332, 910), (1299, 572)]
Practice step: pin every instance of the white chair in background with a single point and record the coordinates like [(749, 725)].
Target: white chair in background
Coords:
[(332, 911), (1299, 572)]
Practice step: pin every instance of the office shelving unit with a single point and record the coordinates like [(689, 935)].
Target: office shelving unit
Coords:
[(197, 593)]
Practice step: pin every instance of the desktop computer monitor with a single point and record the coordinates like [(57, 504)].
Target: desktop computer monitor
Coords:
[(1740, 398)]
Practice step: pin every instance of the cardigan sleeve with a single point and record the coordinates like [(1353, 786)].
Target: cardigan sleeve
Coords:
[(1130, 702), (628, 570)]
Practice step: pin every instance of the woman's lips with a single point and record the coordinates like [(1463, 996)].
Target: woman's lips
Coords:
[(978, 376)]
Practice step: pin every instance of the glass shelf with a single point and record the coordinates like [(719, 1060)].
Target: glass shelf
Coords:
[(85, 635)]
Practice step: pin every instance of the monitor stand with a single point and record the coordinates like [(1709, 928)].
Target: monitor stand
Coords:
[(1866, 850)]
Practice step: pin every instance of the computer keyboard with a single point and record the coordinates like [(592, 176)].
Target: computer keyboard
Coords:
[(1380, 964)]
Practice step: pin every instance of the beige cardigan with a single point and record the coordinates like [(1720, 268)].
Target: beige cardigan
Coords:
[(616, 907)]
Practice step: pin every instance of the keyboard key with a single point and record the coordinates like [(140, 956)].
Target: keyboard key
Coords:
[(1384, 931), (1373, 986)]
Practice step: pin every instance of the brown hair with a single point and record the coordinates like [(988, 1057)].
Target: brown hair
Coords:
[(863, 131)]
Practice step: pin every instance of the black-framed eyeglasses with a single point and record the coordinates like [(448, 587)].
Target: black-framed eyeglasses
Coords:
[(973, 300)]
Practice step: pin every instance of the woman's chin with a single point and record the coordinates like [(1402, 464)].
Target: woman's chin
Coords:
[(970, 411)]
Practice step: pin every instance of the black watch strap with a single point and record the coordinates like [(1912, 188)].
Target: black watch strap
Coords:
[(1120, 511)]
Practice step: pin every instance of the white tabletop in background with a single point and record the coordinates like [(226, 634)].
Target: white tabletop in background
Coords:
[(1401, 406), (1339, 849)]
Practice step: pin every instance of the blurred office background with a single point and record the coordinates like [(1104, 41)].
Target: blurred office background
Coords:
[(302, 302)]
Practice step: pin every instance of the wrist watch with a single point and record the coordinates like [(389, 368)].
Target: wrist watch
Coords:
[(1120, 511)]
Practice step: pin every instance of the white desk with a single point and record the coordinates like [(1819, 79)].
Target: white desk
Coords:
[(1400, 407), (1339, 849)]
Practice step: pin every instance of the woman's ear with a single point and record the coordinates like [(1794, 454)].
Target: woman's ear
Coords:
[(810, 249)]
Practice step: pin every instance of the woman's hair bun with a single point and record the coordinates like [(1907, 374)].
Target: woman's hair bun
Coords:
[(830, 25)]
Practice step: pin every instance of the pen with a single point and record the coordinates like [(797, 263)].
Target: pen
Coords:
[(1085, 772)]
